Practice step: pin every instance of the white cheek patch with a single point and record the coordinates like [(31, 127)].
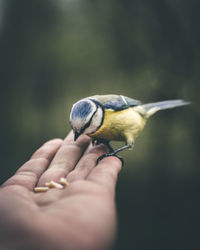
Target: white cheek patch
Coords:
[(77, 124), (95, 123)]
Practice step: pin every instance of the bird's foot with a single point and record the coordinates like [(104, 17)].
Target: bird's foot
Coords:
[(95, 142), (98, 141), (110, 154)]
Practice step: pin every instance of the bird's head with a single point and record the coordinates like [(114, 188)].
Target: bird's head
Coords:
[(86, 117)]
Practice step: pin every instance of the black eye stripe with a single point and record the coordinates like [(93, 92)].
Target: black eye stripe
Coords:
[(89, 122)]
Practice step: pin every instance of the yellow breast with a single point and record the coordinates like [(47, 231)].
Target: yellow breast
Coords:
[(120, 125)]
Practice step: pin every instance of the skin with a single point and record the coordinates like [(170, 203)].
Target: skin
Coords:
[(80, 216)]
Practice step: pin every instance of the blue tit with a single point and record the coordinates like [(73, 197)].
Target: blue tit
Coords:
[(108, 118)]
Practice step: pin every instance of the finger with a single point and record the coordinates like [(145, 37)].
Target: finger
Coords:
[(106, 172), (87, 162), (30, 172), (66, 158)]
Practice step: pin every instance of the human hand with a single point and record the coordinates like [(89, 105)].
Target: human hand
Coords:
[(80, 216)]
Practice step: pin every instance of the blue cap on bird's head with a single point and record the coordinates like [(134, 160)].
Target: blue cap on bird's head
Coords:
[(83, 117), (81, 110)]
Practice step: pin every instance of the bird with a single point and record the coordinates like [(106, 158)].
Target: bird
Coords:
[(111, 117)]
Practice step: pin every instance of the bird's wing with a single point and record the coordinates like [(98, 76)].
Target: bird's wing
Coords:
[(116, 102)]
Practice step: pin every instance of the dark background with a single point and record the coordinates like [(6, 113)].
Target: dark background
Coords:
[(52, 53)]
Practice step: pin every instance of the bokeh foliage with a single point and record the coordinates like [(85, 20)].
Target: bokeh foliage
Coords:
[(52, 53)]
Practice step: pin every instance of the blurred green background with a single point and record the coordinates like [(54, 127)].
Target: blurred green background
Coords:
[(52, 53)]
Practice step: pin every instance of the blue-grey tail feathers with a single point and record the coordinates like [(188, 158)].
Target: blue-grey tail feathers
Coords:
[(149, 109)]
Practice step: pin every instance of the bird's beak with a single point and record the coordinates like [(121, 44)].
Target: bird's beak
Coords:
[(76, 135)]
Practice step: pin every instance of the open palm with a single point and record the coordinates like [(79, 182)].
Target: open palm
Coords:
[(80, 216)]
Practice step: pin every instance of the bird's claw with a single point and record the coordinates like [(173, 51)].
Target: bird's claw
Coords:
[(110, 154), (95, 142)]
